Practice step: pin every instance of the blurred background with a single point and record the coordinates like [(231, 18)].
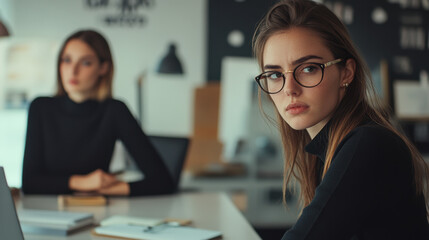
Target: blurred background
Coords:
[(213, 100)]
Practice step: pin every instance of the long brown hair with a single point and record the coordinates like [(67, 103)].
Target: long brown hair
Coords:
[(359, 102), (100, 46)]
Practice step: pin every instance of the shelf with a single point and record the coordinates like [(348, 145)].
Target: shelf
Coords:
[(414, 119)]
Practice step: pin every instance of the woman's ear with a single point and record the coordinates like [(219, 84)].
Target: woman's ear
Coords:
[(104, 68), (348, 72)]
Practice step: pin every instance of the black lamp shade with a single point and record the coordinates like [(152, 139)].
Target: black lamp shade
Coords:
[(3, 30), (170, 64)]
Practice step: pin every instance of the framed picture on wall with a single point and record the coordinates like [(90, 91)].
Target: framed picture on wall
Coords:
[(29, 71), (411, 100)]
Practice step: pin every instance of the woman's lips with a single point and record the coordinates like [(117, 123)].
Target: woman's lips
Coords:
[(296, 108), (73, 82)]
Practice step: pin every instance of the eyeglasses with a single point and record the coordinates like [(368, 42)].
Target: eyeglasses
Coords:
[(306, 74)]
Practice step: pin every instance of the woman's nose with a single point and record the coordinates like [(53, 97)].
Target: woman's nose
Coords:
[(75, 68), (291, 86)]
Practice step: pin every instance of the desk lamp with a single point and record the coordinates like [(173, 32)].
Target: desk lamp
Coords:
[(170, 63), (3, 30)]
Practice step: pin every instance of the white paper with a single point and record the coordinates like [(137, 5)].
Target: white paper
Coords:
[(119, 219), (164, 233)]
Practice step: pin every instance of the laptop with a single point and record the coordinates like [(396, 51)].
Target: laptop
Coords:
[(173, 151), (9, 223)]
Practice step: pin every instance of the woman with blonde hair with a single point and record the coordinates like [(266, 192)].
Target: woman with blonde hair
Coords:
[(359, 177), (71, 136)]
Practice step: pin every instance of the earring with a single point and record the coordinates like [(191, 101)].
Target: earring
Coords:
[(345, 85)]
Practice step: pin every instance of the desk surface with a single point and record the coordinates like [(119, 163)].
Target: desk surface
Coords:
[(212, 211), (263, 206)]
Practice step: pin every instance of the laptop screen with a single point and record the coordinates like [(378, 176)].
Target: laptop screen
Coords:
[(9, 223)]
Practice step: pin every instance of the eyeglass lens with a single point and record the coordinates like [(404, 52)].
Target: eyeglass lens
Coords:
[(307, 75)]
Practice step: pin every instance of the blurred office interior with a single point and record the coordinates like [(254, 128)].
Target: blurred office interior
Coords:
[(214, 101)]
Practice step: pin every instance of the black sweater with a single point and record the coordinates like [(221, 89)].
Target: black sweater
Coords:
[(367, 193), (66, 138)]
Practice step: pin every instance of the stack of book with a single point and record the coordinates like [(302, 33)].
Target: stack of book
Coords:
[(59, 223)]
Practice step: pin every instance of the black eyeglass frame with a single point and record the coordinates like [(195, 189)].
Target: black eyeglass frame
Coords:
[(321, 65)]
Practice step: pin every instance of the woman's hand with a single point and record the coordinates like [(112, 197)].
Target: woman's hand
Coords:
[(93, 181), (119, 188)]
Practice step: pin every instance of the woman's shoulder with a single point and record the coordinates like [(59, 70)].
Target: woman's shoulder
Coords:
[(115, 106), (43, 99), (375, 132), (376, 137), (376, 145), (44, 102), (115, 103), (117, 111)]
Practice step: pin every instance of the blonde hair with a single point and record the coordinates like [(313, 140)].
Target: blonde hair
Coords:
[(100, 46), (359, 103)]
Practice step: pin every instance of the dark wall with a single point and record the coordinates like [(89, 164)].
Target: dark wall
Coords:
[(386, 41), (226, 16)]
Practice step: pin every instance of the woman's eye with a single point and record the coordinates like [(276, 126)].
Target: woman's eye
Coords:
[(65, 60), (274, 76), (309, 69), (86, 63)]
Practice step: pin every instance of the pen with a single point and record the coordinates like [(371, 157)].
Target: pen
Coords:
[(161, 226)]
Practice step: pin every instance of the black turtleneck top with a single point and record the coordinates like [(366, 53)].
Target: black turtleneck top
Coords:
[(66, 138), (368, 193)]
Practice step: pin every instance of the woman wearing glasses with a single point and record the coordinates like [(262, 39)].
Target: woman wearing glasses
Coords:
[(71, 137), (359, 177)]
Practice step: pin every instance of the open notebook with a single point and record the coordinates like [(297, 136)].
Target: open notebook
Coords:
[(9, 224), (159, 232)]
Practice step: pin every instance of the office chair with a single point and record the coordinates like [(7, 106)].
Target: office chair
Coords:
[(173, 151)]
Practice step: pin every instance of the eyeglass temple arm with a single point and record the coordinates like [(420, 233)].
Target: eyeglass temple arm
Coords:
[(333, 62)]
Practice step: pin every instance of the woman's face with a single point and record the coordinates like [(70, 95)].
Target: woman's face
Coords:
[(304, 108), (80, 70)]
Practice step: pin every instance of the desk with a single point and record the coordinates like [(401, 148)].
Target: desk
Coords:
[(212, 211), (260, 211)]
